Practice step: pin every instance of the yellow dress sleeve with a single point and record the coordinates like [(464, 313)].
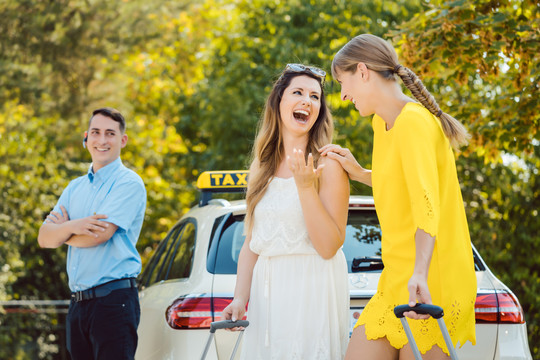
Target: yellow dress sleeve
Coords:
[(416, 138)]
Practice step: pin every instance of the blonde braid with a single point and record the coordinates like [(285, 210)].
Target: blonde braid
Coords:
[(453, 129)]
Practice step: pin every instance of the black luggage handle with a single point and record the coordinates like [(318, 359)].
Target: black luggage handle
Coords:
[(435, 311), (227, 324)]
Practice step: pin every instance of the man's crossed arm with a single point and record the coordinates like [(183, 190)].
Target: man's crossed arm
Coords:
[(90, 231)]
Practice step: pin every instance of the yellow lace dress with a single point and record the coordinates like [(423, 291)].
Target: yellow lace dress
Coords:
[(415, 185)]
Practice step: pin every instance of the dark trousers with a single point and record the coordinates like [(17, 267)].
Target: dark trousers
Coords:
[(105, 327)]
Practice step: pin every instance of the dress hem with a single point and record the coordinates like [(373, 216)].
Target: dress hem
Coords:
[(399, 345)]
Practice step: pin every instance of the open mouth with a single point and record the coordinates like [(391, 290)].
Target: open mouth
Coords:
[(301, 116), (102, 149)]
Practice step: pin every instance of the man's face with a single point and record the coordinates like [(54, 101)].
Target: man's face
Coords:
[(105, 141)]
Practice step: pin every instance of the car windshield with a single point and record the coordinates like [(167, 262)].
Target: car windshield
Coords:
[(362, 245)]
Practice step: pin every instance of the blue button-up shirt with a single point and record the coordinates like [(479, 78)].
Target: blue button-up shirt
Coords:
[(119, 193)]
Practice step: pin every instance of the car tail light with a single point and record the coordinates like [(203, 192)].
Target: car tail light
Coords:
[(500, 307), (195, 311)]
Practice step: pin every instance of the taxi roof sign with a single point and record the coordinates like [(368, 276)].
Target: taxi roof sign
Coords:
[(226, 181)]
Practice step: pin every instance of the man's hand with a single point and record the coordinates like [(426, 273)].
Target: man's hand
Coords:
[(89, 225), (57, 218)]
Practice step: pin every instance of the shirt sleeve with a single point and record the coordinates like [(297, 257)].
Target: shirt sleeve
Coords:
[(124, 204), (416, 137), (62, 200)]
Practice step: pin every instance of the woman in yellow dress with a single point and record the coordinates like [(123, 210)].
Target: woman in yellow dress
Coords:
[(426, 248)]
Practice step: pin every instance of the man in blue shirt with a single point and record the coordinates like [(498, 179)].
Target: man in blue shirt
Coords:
[(99, 216)]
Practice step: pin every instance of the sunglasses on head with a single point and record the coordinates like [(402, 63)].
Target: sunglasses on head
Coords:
[(321, 74)]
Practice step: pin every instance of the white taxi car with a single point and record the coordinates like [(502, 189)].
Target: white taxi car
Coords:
[(191, 277)]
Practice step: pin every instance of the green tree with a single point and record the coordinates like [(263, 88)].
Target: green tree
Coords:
[(56, 63), (483, 59), (32, 172), (51, 50)]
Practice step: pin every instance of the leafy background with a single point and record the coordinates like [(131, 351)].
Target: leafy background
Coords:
[(191, 78)]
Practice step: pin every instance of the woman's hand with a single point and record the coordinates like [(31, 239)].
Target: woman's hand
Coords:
[(418, 292), (304, 173), (234, 311), (345, 158)]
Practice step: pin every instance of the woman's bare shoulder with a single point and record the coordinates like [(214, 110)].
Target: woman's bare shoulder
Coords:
[(332, 169)]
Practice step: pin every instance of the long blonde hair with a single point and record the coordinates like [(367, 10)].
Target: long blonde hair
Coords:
[(378, 55), (268, 151)]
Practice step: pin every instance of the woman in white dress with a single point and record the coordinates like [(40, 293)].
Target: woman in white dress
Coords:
[(291, 267)]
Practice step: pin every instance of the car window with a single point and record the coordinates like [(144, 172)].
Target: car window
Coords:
[(150, 265), (182, 263), (151, 270), (230, 242), (362, 241), (215, 228), (158, 272), (362, 245), (478, 265)]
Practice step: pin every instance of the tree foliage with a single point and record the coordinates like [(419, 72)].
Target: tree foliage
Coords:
[(52, 50), (32, 173), (483, 58), (191, 77)]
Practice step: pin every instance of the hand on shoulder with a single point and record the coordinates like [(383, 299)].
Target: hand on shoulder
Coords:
[(344, 158)]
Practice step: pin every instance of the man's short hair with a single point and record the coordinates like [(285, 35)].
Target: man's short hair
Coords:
[(113, 114)]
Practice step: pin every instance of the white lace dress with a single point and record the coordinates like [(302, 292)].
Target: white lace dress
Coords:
[(299, 302)]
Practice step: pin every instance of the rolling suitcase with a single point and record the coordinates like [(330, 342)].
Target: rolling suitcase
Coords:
[(225, 324), (434, 311)]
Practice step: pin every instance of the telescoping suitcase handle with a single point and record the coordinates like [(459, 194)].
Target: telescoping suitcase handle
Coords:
[(225, 324), (435, 312)]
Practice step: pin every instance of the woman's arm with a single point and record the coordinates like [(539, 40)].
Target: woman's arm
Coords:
[(419, 141), (325, 212), (418, 287), (246, 262), (344, 156)]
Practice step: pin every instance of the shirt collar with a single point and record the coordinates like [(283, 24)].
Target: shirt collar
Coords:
[(105, 172)]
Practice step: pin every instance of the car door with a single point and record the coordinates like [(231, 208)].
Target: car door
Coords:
[(161, 282)]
